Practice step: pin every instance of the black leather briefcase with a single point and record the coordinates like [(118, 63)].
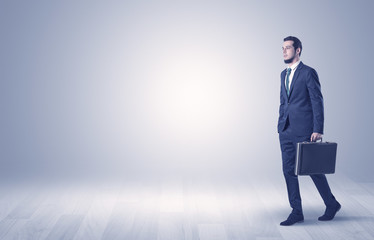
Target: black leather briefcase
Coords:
[(315, 158)]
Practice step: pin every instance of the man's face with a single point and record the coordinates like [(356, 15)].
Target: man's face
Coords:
[(288, 51)]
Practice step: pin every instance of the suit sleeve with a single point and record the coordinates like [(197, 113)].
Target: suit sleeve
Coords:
[(314, 88)]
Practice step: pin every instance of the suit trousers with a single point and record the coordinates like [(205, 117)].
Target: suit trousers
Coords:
[(288, 142)]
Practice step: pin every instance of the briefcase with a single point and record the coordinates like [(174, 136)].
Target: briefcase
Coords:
[(315, 158)]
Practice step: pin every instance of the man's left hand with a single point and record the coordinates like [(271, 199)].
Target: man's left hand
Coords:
[(315, 136)]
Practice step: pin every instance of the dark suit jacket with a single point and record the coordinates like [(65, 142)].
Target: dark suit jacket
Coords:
[(303, 109)]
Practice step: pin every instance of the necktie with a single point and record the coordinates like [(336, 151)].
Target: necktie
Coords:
[(288, 81)]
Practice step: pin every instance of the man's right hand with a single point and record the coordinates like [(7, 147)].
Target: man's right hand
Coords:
[(315, 136)]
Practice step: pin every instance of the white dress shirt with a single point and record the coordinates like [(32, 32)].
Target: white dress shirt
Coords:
[(293, 69)]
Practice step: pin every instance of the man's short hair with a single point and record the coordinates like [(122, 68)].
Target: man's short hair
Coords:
[(296, 43)]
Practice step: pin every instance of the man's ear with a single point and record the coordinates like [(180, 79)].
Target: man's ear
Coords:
[(298, 51)]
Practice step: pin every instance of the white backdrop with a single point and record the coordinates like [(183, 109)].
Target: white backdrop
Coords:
[(155, 87)]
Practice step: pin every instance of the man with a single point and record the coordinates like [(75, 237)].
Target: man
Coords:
[(301, 119)]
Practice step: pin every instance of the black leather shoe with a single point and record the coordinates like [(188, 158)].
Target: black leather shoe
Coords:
[(330, 213), (292, 219)]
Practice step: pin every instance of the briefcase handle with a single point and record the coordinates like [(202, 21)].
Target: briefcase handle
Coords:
[(313, 142), (318, 139), (321, 141)]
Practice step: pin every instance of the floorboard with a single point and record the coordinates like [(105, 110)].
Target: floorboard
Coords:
[(183, 208)]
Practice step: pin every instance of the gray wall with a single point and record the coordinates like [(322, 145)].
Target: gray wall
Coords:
[(105, 88)]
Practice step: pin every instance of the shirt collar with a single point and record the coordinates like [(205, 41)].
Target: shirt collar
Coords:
[(294, 66)]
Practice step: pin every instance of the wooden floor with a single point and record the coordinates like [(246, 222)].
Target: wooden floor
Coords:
[(181, 208)]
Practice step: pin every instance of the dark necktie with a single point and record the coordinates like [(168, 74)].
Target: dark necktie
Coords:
[(288, 81)]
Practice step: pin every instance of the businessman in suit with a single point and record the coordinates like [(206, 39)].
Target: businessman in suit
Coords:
[(301, 119)]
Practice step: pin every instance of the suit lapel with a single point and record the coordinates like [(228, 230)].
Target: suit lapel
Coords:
[(295, 76)]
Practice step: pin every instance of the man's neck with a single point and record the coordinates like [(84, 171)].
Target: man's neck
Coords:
[(295, 60)]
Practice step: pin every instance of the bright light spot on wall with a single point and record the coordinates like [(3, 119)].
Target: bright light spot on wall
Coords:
[(191, 94)]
